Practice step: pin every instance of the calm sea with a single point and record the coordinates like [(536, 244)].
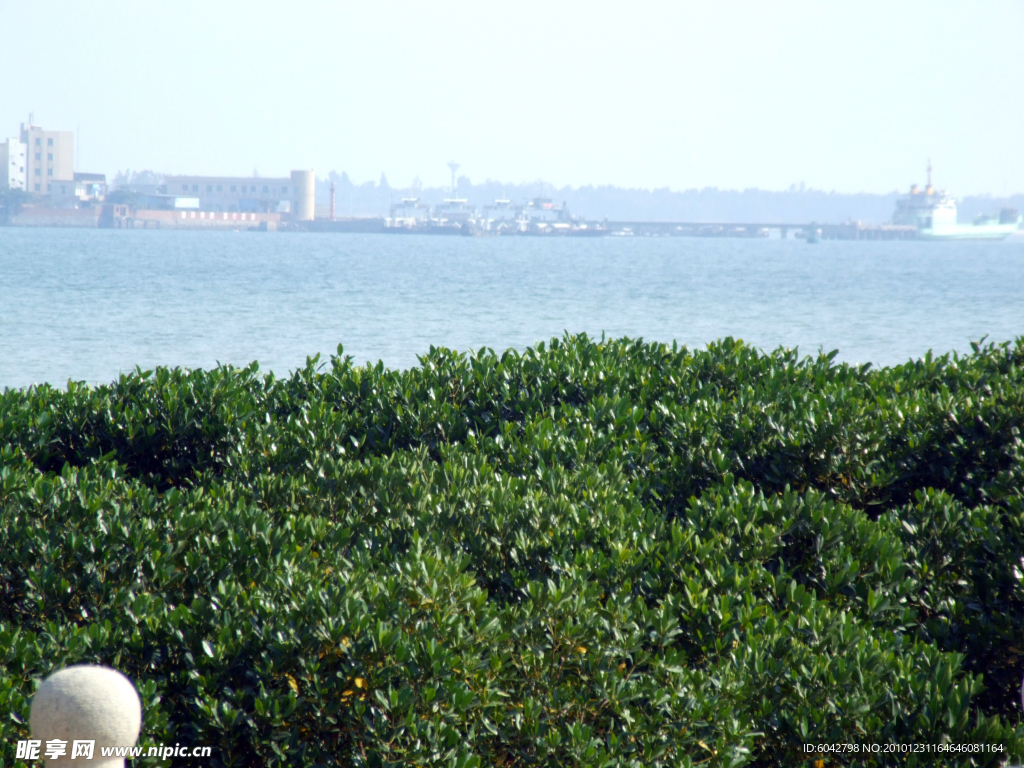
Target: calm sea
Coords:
[(89, 304)]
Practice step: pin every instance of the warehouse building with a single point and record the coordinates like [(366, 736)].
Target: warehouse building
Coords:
[(240, 194)]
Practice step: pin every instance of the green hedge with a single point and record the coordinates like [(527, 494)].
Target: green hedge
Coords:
[(592, 553)]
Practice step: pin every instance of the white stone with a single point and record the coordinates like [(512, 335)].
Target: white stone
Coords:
[(87, 703)]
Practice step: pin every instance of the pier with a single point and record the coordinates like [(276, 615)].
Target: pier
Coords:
[(849, 231)]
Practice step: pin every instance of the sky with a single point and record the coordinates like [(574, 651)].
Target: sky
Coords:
[(844, 96)]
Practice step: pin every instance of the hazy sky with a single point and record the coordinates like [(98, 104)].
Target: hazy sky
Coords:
[(850, 96)]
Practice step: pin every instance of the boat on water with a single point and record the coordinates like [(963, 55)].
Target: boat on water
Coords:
[(456, 216), (933, 212)]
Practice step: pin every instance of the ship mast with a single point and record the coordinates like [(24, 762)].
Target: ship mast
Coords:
[(929, 189)]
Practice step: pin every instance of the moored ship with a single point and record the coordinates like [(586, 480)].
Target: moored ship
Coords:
[(933, 212)]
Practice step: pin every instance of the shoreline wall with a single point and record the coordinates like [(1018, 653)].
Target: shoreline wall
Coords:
[(55, 217)]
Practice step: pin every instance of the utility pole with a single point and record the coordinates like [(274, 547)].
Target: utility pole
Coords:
[(332, 199)]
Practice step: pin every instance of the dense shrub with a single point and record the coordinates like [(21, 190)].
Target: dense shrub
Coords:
[(590, 553)]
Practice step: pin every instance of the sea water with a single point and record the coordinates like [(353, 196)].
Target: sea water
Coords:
[(91, 304)]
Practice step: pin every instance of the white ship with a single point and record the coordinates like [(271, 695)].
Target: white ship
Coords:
[(933, 212)]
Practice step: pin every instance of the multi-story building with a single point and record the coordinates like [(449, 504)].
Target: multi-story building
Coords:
[(12, 164), (50, 156), (230, 194)]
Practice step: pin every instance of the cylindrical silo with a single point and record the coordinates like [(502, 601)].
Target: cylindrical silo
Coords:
[(304, 184)]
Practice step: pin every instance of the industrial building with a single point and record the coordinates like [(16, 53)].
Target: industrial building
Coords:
[(240, 194)]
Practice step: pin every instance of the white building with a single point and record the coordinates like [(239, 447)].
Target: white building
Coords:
[(13, 164)]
